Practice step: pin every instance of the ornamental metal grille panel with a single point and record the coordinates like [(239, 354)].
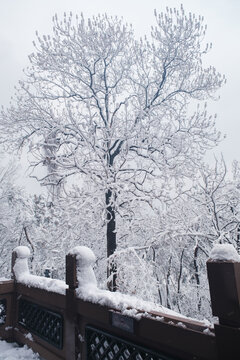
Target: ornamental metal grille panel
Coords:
[(103, 346), (42, 322), (3, 311)]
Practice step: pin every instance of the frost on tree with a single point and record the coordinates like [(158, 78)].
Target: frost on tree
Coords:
[(111, 111), (15, 215)]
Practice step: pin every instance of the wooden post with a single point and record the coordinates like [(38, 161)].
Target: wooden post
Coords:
[(71, 314), (14, 258), (224, 283), (14, 299)]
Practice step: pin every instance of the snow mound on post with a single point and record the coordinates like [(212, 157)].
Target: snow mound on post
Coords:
[(22, 252), (85, 261), (20, 268), (224, 252), (83, 254)]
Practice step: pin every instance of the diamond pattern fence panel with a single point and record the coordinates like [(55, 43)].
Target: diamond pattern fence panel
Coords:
[(42, 322), (3, 311), (103, 346)]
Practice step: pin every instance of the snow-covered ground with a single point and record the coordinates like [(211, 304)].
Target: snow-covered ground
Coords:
[(14, 352)]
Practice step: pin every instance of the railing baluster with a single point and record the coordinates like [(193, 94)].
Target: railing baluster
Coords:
[(224, 283), (71, 313)]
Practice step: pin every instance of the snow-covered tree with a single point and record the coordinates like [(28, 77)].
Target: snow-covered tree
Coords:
[(183, 234), (15, 215), (56, 229), (112, 111)]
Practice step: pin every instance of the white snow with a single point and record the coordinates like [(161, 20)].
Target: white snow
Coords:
[(225, 252), (85, 261), (23, 275), (22, 252), (207, 331), (83, 254), (127, 304), (180, 324), (13, 351), (87, 286), (29, 336), (87, 290), (40, 282)]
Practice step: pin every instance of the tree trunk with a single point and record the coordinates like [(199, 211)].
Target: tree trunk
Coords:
[(197, 277), (111, 239), (155, 271), (238, 239), (179, 280), (168, 282)]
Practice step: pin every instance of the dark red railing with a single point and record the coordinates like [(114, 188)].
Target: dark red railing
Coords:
[(63, 326)]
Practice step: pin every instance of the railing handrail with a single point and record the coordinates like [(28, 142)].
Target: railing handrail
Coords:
[(207, 342)]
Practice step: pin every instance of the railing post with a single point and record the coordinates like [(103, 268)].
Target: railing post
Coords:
[(14, 297), (14, 257), (224, 284), (19, 266), (71, 314), (80, 276)]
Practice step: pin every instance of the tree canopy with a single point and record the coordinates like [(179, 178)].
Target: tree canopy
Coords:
[(112, 111)]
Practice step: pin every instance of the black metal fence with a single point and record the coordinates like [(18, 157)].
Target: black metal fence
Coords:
[(46, 324), (3, 311), (103, 346)]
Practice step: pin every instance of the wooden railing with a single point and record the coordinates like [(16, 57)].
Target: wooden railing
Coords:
[(72, 325)]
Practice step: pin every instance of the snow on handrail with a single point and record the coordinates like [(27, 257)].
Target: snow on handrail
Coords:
[(87, 290), (22, 274)]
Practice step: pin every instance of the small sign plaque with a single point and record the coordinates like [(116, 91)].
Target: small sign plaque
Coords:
[(122, 322)]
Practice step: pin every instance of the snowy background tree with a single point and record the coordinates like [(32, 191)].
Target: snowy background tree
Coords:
[(115, 124), (15, 216)]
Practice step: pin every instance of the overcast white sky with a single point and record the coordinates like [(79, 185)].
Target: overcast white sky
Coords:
[(19, 19)]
